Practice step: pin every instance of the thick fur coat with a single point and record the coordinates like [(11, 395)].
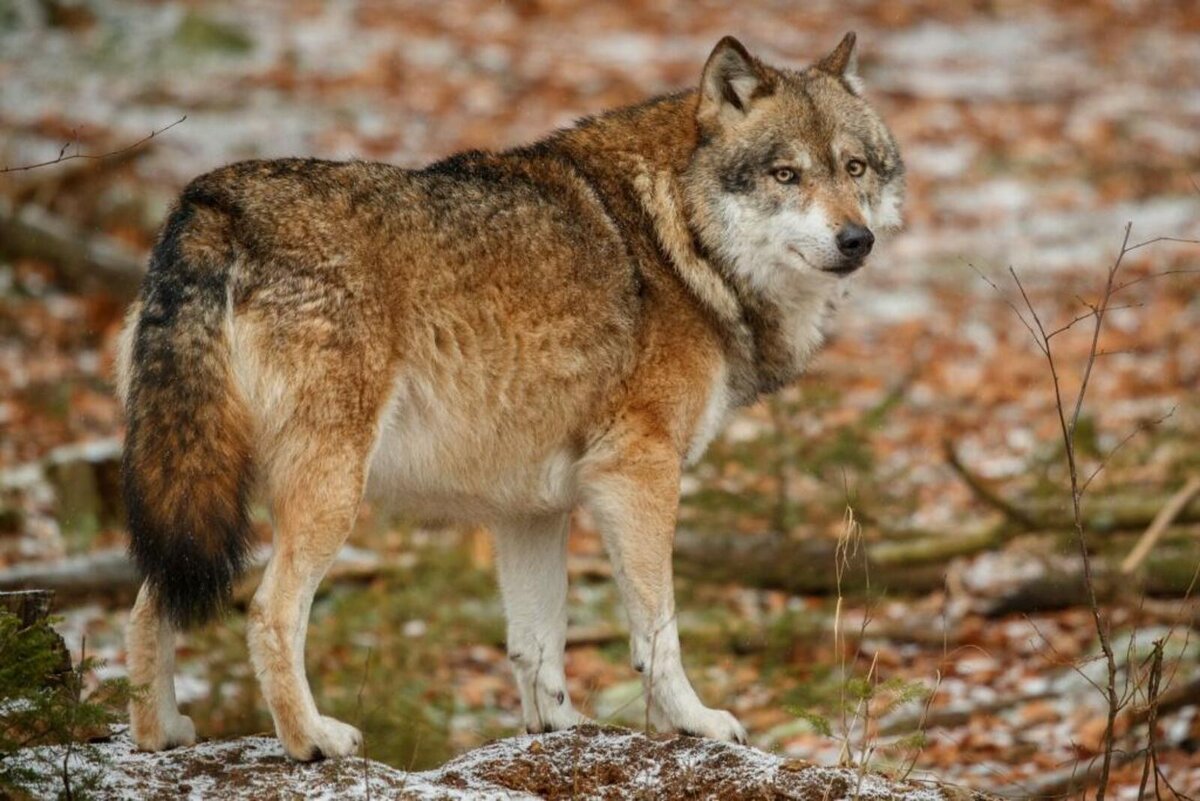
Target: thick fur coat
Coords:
[(498, 337)]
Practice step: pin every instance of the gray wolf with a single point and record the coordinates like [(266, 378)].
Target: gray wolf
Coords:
[(498, 337)]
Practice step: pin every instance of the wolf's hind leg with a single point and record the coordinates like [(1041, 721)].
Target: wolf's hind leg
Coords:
[(154, 718), (531, 559), (316, 499)]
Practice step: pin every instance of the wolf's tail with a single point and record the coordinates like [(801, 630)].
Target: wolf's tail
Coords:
[(187, 466)]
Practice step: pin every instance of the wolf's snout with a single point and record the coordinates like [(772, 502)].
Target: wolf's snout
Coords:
[(855, 241)]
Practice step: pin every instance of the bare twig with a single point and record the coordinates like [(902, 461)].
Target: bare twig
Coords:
[(1124, 441), (1068, 417), (63, 155), (1062, 329), (1009, 303), (1151, 764), (359, 714)]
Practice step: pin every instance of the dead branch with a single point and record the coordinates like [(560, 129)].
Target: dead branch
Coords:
[(1162, 520), (63, 155), (984, 492), (803, 566), (807, 566), (956, 714), (1062, 584)]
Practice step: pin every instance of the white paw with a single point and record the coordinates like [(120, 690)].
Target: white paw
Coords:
[(329, 739), (551, 711), (337, 739), (174, 732), (180, 731), (557, 718), (714, 723)]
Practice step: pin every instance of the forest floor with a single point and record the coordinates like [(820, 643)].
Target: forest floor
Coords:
[(1032, 137)]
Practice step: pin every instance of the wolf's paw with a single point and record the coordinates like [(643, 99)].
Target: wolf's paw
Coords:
[(715, 723), (329, 739), (175, 732), (557, 719)]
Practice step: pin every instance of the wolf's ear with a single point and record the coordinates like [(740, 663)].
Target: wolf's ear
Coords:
[(843, 63), (732, 80)]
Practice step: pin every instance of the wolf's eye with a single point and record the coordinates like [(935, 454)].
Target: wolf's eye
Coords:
[(856, 167), (786, 175)]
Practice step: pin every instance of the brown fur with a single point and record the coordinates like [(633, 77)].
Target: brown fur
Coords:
[(496, 337)]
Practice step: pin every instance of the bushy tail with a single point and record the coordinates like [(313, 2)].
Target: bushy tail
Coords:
[(187, 466)]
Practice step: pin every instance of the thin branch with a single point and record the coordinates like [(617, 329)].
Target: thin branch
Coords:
[(1108, 456), (1151, 276), (1010, 304), (64, 156), (1091, 313), (1091, 361), (1157, 239)]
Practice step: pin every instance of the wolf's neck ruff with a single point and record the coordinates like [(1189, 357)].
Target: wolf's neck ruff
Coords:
[(767, 340)]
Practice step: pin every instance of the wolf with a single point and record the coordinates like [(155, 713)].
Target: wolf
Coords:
[(499, 337)]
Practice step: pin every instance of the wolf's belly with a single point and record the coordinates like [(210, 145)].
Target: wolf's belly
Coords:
[(469, 462)]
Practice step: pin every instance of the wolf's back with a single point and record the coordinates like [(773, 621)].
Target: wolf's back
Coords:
[(187, 465)]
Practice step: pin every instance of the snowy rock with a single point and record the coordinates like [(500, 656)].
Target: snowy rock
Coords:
[(585, 763)]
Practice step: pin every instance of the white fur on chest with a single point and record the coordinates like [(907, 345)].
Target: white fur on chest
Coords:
[(781, 254), (806, 309)]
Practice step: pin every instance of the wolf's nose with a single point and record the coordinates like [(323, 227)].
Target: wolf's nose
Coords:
[(855, 241)]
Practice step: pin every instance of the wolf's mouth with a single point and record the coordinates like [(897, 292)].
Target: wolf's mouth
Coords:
[(845, 268)]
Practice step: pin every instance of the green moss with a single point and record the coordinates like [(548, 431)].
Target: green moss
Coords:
[(201, 34)]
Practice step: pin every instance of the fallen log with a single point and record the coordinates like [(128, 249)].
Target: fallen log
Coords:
[(802, 566), (111, 576), (90, 261), (808, 567), (1057, 582), (903, 561), (589, 762)]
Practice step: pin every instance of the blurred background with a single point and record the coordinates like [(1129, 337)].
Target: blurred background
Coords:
[(956, 639)]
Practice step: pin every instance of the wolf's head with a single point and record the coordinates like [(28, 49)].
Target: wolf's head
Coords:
[(794, 173)]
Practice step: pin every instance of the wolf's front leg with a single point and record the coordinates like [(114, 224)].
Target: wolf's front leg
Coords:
[(634, 500), (531, 560)]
